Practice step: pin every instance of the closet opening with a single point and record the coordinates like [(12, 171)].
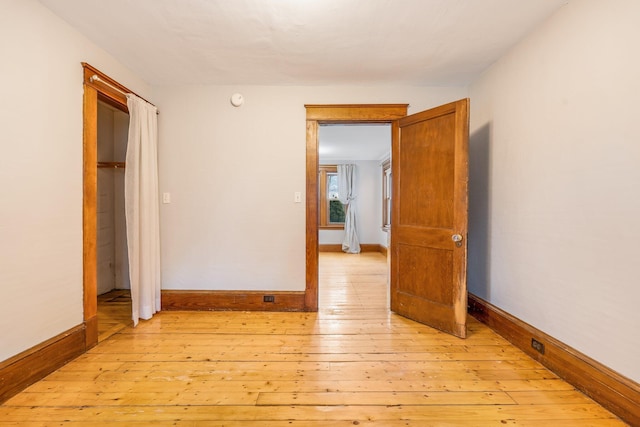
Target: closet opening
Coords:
[(112, 264), (104, 113), (100, 93)]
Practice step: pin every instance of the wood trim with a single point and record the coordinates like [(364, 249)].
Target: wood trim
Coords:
[(311, 271), (331, 227), (383, 250), (24, 369), (112, 165), (323, 199), (330, 247), (323, 170), (89, 212), (108, 94), (92, 92), (371, 247), (113, 93), (91, 334), (364, 247), (232, 300), (356, 113), (316, 114), (615, 392)]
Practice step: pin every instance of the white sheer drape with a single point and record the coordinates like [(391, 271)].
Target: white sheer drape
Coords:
[(141, 208), (347, 195)]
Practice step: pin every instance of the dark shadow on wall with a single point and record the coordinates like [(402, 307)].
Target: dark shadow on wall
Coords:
[(479, 240)]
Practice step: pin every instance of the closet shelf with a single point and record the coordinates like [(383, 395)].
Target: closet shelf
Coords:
[(112, 165)]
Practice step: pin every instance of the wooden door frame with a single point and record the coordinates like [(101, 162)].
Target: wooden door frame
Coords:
[(332, 114), (93, 91)]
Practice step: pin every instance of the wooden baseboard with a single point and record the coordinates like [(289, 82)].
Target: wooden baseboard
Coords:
[(91, 332), (232, 300), (364, 247), (330, 248), (615, 392), (24, 369), (382, 250)]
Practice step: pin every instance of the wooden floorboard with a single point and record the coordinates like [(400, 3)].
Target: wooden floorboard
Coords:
[(114, 312), (352, 363)]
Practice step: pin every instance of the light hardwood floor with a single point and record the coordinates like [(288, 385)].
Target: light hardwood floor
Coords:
[(352, 363), (114, 313)]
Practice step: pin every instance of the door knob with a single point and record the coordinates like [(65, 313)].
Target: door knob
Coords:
[(457, 238)]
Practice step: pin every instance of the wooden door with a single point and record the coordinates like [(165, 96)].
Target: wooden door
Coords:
[(429, 217)]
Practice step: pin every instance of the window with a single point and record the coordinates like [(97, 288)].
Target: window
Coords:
[(332, 212), (386, 194)]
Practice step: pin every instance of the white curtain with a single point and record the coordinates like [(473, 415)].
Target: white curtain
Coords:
[(141, 208), (347, 195)]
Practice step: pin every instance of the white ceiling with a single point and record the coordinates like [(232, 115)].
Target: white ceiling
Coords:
[(354, 142), (305, 42)]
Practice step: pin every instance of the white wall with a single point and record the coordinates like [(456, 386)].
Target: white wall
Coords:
[(368, 208), (41, 195), (232, 173), (113, 262), (106, 224), (555, 206), (120, 139)]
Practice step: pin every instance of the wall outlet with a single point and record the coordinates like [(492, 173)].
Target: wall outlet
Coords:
[(269, 298), (537, 345)]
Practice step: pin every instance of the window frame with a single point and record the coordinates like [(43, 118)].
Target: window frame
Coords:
[(323, 202)]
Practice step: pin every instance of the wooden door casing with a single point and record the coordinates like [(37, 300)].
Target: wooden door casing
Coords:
[(334, 114)]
